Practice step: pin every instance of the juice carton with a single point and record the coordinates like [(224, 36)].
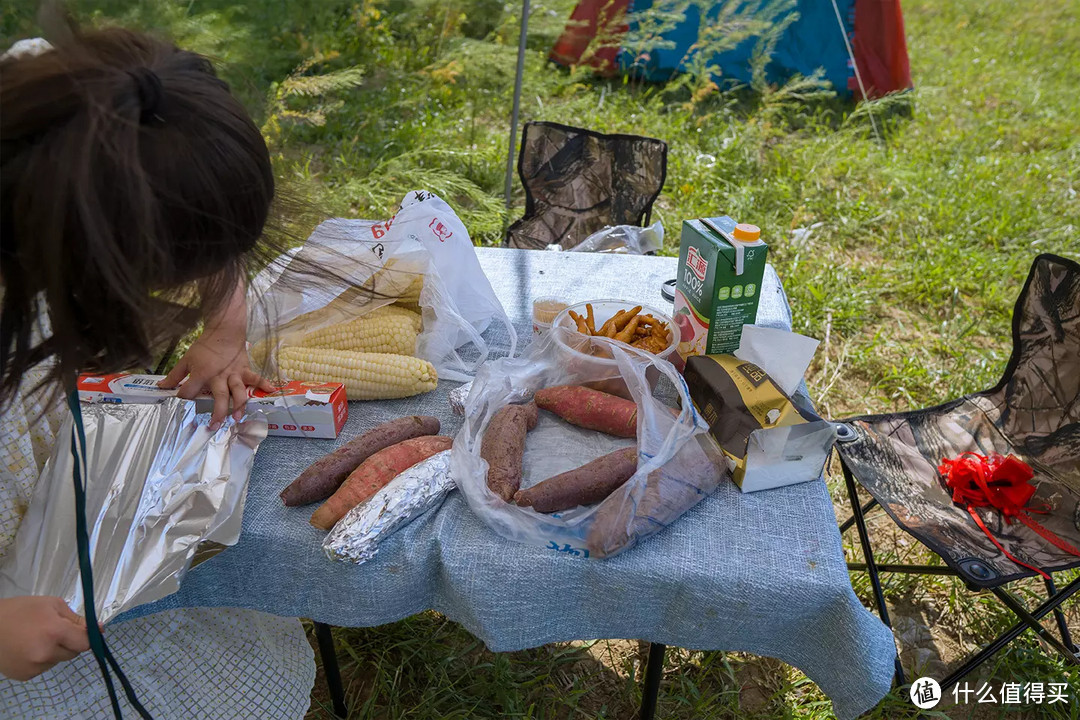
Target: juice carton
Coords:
[(721, 264)]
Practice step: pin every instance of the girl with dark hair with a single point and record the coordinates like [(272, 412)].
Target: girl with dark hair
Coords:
[(134, 196)]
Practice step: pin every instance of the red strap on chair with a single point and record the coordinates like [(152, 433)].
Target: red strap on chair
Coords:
[(1000, 482)]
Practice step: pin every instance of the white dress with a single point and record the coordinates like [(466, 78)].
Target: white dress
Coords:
[(195, 664)]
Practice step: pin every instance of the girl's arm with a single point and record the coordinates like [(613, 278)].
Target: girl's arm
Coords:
[(218, 362)]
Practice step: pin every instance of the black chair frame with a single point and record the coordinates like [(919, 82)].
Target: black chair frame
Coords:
[(1027, 618)]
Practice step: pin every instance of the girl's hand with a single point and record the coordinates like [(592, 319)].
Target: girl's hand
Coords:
[(217, 363), (37, 633)]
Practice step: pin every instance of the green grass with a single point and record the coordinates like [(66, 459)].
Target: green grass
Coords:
[(925, 237)]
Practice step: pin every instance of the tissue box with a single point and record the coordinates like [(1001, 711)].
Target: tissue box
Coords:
[(769, 441), (296, 409)]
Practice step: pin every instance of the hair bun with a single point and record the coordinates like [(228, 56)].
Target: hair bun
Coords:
[(149, 89)]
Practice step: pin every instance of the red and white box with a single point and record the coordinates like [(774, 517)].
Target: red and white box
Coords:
[(296, 409)]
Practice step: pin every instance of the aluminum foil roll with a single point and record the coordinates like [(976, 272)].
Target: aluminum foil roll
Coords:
[(159, 484), (458, 396), (356, 536)]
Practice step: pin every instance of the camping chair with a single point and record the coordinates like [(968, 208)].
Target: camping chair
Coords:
[(577, 181), (1033, 413)]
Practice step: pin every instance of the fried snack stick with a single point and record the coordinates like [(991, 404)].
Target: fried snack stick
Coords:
[(651, 344), (648, 320), (626, 317), (582, 327), (626, 335), (590, 321), (608, 328)]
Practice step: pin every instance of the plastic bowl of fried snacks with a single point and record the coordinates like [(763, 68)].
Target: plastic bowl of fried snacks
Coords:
[(640, 326)]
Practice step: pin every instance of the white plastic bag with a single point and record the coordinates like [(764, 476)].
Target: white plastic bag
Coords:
[(627, 239), (677, 463), (424, 238)]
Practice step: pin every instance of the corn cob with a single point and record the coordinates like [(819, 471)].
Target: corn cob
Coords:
[(397, 311), (366, 376), (385, 330), (411, 294)]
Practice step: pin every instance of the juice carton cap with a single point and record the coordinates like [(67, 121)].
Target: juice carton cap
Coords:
[(746, 233)]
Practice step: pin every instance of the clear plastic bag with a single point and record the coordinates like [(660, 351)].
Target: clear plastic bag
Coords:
[(371, 264), (629, 239), (678, 465)]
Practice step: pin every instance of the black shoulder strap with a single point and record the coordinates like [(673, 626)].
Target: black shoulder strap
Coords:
[(98, 646)]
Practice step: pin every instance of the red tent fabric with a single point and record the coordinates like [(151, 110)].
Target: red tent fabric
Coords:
[(879, 48), (591, 19)]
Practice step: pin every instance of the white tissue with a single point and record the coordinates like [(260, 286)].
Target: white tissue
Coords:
[(784, 355)]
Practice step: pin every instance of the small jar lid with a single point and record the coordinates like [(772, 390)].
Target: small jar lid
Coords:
[(746, 233)]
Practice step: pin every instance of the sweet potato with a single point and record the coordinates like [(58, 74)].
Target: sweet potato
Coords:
[(373, 475), (503, 447), (590, 409), (670, 491), (590, 483), (327, 473)]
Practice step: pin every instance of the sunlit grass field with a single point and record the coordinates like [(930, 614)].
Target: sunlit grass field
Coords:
[(902, 247)]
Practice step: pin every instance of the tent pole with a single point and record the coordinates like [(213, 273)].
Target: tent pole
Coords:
[(517, 104)]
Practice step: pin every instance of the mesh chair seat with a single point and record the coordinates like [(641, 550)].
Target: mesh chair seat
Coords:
[(1033, 413), (577, 181)]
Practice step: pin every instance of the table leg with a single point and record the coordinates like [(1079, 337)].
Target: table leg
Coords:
[(328, 653), (654, 671)]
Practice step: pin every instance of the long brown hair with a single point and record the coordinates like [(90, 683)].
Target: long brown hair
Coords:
[(127, 172)]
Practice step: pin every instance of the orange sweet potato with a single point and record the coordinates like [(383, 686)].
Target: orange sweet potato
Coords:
[(590, 483), (327, 473), (374, 474), (503, 447), (590, 409)]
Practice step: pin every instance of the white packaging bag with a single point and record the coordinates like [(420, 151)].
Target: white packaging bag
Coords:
[(426, 238)]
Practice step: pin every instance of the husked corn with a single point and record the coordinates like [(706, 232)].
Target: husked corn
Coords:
[(411, 294), (366, 376), (385, 330), (398, 311)]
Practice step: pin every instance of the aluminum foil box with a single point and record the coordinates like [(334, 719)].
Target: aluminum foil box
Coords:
[(296, 409)]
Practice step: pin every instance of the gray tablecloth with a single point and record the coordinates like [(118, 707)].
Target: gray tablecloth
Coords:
[(762, 573)]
